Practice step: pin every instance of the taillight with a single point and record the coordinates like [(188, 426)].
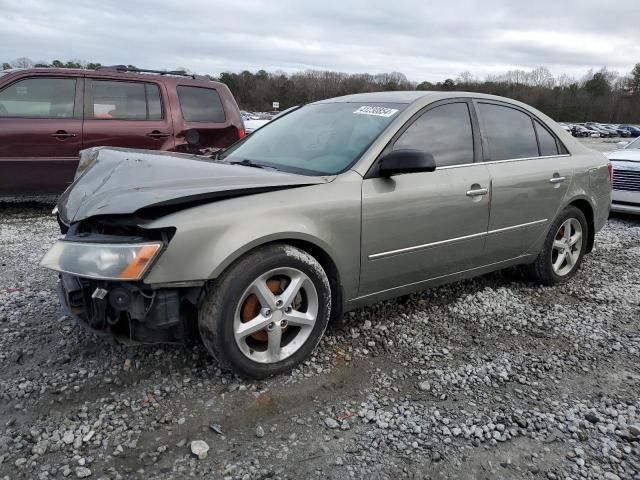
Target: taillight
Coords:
[(241, 133), (610, 171)]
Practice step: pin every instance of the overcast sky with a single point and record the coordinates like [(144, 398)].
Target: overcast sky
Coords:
[(424, 39)]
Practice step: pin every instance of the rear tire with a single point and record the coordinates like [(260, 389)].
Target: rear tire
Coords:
[(267, 312), (563, 248)]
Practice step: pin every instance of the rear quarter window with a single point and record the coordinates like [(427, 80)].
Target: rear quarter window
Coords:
[(200, 104), (548, 144)]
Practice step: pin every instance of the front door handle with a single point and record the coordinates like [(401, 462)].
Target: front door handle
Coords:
[(477, 192), (557, 179), (157, 134), (62, 134)]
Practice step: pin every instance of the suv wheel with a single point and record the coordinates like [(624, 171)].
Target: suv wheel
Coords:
[(267, 312), (563, 248)]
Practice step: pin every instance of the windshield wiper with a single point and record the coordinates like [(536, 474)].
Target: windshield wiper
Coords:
[(248, 163)]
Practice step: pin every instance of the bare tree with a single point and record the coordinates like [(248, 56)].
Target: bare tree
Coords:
[(465, 78), (22, 62)]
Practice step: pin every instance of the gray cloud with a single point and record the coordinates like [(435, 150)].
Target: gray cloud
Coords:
[(425, 40)]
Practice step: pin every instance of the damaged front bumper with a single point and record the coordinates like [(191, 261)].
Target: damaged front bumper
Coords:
[(132, 312), (101, 265)]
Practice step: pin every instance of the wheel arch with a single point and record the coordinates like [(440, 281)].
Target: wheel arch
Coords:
[(310, 246), (587, 209)]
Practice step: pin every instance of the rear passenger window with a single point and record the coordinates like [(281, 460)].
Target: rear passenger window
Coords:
[(200, 105), (548, 145), (113, 100), (39, 98), (445, 132), (509, 132)]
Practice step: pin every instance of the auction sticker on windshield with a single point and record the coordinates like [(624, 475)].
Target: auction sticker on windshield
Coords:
[(377, 111)]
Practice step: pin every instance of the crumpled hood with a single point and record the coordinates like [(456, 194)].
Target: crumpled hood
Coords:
[(123, 181)]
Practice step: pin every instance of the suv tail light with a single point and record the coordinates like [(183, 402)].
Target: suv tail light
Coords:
[(241, 133), (610, 171)]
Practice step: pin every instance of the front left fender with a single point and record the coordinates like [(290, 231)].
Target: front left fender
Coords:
[(210, 237)]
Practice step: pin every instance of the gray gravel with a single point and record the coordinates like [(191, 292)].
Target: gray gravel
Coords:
[(489, 378)]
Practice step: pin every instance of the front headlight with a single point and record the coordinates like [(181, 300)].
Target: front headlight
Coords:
[(101, 261)]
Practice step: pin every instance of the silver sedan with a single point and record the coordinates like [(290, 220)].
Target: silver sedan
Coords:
[(331, 206), (625, 197)]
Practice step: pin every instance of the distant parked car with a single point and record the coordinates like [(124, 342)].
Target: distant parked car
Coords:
[(625, 196), (612, 131), (580, 131), (604, 132), (632, 129), (621, 131), (48, 115)]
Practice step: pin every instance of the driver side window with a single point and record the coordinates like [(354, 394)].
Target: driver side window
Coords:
[(445, 132)]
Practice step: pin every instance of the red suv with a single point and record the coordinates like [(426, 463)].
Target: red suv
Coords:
[(48, 115)]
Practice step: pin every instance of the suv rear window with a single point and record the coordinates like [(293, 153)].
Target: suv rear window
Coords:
[(42, 97), (200, 105), (114, 100)]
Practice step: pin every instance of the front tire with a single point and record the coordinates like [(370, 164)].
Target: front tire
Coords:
[(563, 249), (267, 312)]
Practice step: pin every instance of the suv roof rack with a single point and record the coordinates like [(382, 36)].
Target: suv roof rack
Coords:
[(124, 68)]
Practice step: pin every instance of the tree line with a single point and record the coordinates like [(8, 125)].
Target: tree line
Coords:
[(600, 96)]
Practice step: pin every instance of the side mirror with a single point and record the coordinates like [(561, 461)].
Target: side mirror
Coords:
[(398, 162)]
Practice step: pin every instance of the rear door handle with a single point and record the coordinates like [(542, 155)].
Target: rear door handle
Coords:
[(557, 179), (158, 135), (61, 134), (477, 192)]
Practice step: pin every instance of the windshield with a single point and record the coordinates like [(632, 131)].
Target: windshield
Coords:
[(634, 145), (318, 139)]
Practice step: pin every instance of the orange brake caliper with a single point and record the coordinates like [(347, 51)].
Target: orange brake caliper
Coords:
[(251, 307)]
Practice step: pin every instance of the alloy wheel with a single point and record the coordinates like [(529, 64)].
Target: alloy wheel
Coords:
[(567, 247), (275, 315)]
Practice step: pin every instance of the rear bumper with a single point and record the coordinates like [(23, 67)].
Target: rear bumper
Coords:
[(127, 310)]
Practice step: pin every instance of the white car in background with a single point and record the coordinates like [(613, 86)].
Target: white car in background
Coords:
[(251, 126), (625, 196)]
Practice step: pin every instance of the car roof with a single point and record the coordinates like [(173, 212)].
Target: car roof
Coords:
[(412, 96), (381, 97), (114, 73)]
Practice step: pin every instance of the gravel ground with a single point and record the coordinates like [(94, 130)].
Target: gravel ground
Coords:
[(489, 378)]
